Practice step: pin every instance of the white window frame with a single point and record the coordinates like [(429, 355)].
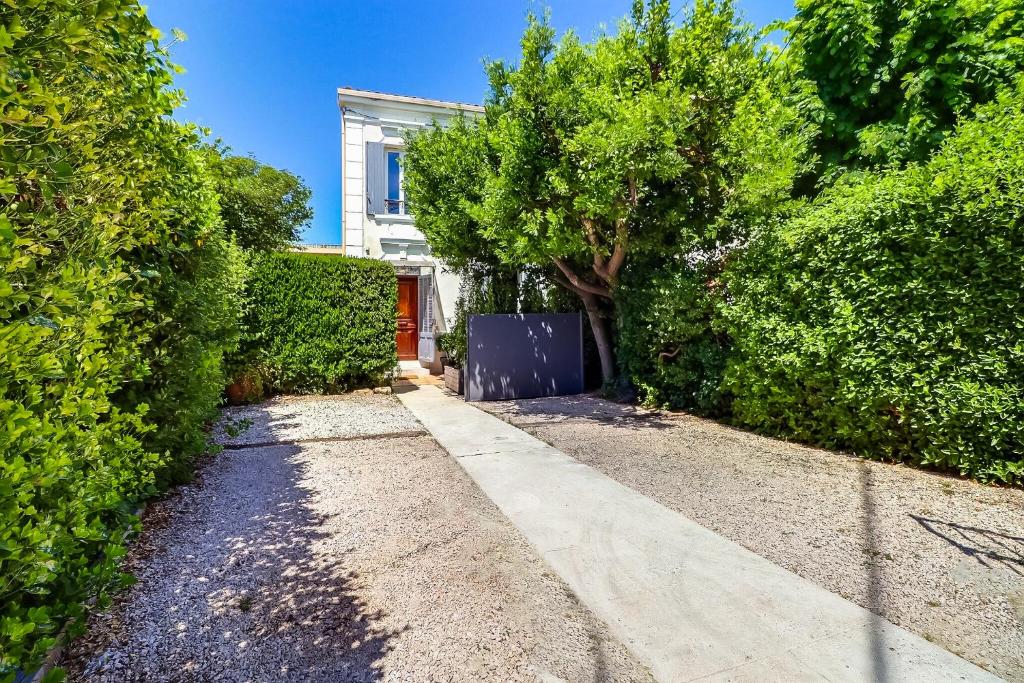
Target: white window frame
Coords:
[(402, 210)]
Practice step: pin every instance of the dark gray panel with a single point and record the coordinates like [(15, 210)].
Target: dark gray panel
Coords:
[(376, 178), (524, 356)]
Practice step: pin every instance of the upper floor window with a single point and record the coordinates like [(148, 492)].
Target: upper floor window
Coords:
[(395, 200)]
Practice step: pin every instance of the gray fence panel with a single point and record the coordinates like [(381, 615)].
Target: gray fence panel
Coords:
[(524, 356)]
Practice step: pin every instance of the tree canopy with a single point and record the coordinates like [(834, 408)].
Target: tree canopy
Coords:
[(263, 207), (894, 76), (588, 153), (445, 171)]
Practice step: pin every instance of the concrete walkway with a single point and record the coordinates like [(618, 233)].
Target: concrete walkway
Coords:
[(689, 603)]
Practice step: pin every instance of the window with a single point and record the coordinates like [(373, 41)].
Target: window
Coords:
[(395, 201)]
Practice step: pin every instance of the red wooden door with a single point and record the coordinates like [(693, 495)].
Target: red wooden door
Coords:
[(407, 336)]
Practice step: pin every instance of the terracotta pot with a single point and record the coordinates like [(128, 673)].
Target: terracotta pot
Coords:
[(236, 393), (247, 388)]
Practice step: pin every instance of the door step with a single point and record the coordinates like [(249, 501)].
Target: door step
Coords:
[(411, 369)]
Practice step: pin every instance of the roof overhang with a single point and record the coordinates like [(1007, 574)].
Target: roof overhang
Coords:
[(352, 96)]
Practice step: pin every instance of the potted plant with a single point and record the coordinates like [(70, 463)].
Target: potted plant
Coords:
[(452, 360), (247, 377), (453, 349)]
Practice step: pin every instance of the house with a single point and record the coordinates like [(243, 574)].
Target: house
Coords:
[(375, 219)]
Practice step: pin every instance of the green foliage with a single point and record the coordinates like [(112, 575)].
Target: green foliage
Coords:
[(667, 344), (191, 316), (894, 76), (453, 342), (116, 303), (888, 318), (444, 171), (322, 322), (638, 140), (657, 137), (263, 208)]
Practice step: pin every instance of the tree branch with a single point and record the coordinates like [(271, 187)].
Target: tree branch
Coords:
[(600, 264), (619, 254), (614, 264), (579, 283), (559, 280), (666, 356), (591, 231)]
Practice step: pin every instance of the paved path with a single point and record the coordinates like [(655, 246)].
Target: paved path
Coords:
[(689, 603)]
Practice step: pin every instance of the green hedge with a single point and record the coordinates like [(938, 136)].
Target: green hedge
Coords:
[(889, 318), (321, 322), (886, 318), (667, 344), (117, 303)]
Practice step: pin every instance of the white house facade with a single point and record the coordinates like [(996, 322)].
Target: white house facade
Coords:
[(375, 219)]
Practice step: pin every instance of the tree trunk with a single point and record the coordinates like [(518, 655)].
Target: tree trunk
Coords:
[(601, 336)]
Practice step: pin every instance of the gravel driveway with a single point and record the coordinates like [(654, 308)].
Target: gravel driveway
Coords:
[(937, 555), (364, 559)]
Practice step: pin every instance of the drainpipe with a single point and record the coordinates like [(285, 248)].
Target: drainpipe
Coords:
[(342, 151)]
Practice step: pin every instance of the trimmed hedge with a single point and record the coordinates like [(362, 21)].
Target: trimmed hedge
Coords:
[(886, 318), (117, 303), (321, 322), (889, 318)]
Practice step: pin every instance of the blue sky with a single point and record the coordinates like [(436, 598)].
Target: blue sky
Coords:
[(262, 74)]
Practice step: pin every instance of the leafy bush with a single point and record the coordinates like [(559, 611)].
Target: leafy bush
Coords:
[(453, 342), (895, 77), (667, 345), (322, 322), (193, 303), (116, 303), (888, 318)]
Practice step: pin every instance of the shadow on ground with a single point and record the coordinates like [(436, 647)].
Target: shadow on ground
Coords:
[(234, 581), (986, 546), (582, 408), (300, 610)]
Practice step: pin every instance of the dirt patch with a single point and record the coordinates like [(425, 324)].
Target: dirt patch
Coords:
[(364, 560), (937, 555)]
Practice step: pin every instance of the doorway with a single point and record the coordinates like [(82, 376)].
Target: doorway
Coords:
[(407, 335)]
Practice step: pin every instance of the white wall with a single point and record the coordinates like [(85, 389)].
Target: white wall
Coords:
[(389, 237)]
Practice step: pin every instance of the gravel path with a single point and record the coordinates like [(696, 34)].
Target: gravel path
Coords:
[(937, 555), (295, 418), (363, 560)]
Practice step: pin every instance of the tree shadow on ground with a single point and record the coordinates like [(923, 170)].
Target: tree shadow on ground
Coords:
[(241, 582), (303, 614), (986, 546), (583, 408)]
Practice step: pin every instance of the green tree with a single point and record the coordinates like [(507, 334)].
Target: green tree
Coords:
[(263, 207), (116, 303), (895, 75), (445, 172), (652, 141)]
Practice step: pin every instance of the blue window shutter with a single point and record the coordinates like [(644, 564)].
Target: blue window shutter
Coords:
[(376, 178)]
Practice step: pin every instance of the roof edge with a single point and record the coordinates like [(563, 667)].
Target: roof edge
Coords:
[(406, 99)]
